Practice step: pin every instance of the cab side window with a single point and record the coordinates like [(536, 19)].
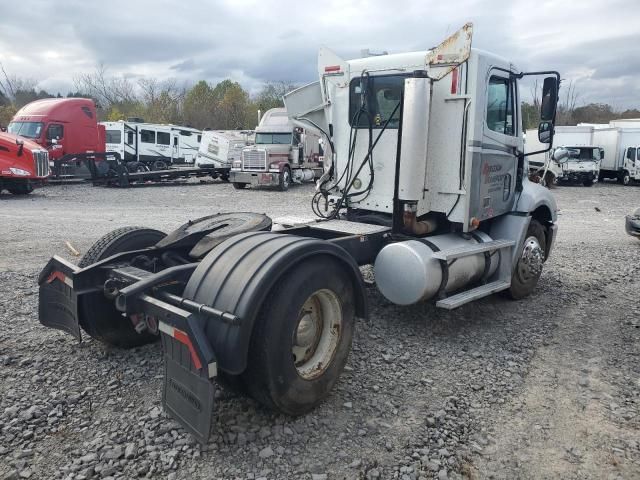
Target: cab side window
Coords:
[(55, 132), (500, 111), (631, 153)]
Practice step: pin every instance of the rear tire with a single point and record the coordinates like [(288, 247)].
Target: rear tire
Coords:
[(302, 337), (98, 315), (530, 261), (239, 186)]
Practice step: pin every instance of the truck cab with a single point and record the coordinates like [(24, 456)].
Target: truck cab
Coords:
[(282, 154), (63, 126), (582, 165), (23, 164)]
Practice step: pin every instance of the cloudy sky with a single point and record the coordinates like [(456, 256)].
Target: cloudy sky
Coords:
[(595, 44)]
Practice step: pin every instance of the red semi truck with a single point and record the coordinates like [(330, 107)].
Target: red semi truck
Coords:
[(66, 127), (23, 164)]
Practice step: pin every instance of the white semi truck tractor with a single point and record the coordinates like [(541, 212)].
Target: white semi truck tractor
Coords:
[(283, 154), (425, 180)]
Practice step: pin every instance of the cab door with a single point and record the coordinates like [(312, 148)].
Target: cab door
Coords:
[(499, 146), (55, 139)]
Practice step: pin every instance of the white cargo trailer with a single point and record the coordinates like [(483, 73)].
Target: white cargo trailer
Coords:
[(219, 148), (149, 146), (621, 160)]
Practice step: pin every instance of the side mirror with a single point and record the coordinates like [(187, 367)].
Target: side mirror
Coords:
[(54, 141), (560, 155), (545, 132), (549, 99), (20, 144)]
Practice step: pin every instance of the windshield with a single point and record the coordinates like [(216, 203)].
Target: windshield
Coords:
[(583, 154), (273, 138), (26, 129)]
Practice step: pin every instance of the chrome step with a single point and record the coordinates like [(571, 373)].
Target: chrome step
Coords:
[(468, 250), (460, 299)]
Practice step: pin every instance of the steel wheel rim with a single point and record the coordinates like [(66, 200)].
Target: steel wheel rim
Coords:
[(317, 334), (285, 178), (531, 260)]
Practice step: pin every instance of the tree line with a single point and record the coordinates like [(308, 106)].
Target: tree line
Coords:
[(222, 106), (227, 105)]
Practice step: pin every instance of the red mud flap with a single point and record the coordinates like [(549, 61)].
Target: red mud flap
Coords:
[(188, 391), (57, 303)]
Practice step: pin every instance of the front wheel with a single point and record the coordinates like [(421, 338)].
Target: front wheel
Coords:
[(530, 261), (239, 186), (21, 189), (302, 337), (624, 178), (588, 182), (285, 179)]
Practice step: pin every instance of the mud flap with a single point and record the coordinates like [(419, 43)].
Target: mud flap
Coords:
[(57, 303), (188, 392)]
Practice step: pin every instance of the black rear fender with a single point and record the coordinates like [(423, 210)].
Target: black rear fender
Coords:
[(238, 275)]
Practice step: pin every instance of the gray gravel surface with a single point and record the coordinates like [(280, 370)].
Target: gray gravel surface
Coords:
[(547, 387)]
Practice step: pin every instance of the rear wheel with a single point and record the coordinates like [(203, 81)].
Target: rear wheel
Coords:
[(530, 261), (302, 337), (239, 186), (98, 315)]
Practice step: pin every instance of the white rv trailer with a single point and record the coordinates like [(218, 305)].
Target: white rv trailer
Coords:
[(155, 146), (621, 159), (219, 148)]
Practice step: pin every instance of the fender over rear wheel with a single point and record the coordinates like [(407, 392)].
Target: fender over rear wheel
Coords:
[(98, 315), (302, 337), (529, 262)]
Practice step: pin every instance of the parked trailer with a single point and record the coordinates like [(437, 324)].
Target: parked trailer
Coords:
[(424, 182), (621, 160), (24, 164), (283, 154), (220, 148), (152, 146)]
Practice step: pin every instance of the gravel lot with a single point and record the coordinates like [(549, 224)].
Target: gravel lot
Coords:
[(547, 387)]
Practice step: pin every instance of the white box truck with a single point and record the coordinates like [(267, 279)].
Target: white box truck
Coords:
[(583, 164), (621, 160)]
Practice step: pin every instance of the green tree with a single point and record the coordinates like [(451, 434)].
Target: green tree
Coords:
[(271, 95), (199, 105)]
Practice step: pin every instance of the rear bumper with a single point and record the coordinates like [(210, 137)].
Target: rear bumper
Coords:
[(255, 178), (189, 360)]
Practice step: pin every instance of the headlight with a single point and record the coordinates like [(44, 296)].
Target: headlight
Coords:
[(20, 172), (237, 164), (274, 166)]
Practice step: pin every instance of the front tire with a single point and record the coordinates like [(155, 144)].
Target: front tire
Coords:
[(21, 189), (98, 315), (624, 178), (239, 186), (285, 179), (302, 337), (530, 261), (588, 183)]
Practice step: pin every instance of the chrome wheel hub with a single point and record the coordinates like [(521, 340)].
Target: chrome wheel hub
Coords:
[(317, 333), (531, 260)]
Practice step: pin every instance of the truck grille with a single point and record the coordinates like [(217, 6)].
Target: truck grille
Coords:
[(254, 160), (41, 163)]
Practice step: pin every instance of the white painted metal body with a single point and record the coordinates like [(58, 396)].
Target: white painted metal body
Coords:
[(616, 142), (149, 142), (219, 148)]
